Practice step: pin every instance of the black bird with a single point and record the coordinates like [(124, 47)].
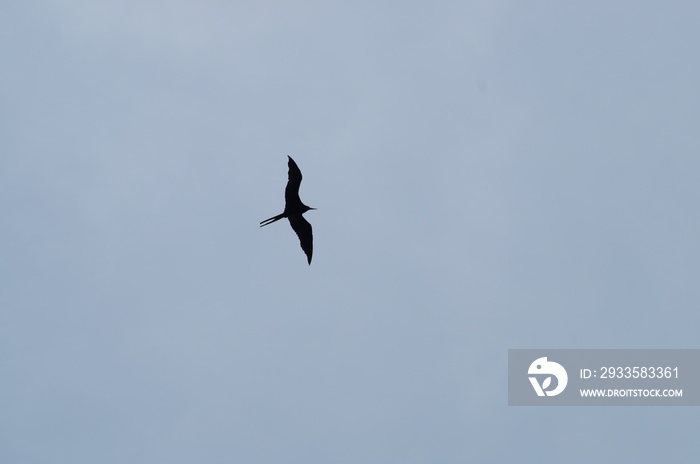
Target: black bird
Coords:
[(293, 210)]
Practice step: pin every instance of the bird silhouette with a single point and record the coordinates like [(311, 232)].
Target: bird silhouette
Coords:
[(293, 210)]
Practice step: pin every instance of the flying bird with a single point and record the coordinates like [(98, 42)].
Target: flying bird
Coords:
[(293, 210)]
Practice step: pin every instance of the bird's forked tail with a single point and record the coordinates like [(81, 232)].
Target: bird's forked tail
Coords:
[(271, 220)]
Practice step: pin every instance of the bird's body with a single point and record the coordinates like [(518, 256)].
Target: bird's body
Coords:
[(293, 210)]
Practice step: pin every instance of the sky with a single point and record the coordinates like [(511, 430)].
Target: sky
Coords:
[(488, 175)]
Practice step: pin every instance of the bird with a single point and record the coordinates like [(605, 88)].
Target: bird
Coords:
[(293, 210)]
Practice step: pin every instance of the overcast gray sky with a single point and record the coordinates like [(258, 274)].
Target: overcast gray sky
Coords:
[(488, 175)]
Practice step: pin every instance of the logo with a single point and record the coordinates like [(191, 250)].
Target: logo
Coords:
[(541, 367)]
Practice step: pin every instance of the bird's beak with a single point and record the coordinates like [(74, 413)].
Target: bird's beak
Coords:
[(312, 208)]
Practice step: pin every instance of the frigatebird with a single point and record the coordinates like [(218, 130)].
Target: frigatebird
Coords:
[(293, 210)]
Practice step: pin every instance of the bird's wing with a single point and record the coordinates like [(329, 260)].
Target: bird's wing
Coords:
[(303, 229), (291, 193)]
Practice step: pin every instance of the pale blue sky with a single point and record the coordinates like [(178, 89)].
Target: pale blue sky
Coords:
[(488, 175)]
